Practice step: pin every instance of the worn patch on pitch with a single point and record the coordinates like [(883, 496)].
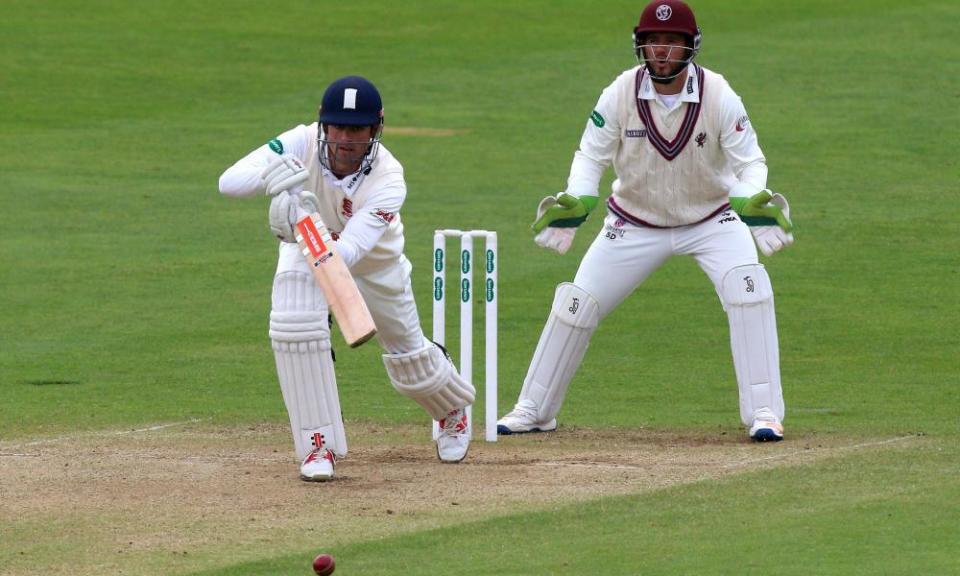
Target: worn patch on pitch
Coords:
[(179, 498)]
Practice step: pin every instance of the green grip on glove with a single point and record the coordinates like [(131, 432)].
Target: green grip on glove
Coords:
[(568, 212), (757, 210)]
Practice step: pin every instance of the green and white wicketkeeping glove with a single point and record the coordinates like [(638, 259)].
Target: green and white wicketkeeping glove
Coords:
[(767, 214), (558, 217)]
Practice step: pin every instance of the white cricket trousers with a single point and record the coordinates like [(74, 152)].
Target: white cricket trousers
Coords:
[(623, 255)]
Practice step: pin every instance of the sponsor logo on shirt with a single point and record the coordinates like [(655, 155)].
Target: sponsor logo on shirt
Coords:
[(642, 133), (690, 85), (276, 145), (598, 120), (384, 216), (742, 123)]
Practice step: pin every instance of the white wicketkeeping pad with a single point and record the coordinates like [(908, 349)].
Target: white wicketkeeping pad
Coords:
[(748, 300), (573, 319)]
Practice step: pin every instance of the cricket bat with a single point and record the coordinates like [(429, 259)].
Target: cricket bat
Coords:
[(335, 280)]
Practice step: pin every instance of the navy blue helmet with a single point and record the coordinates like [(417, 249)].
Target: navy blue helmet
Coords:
[(350, 101)]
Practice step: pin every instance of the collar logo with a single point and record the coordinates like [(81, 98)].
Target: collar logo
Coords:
[(664, 12)]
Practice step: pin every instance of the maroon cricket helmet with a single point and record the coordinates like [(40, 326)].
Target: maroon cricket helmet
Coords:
[(667, 16)]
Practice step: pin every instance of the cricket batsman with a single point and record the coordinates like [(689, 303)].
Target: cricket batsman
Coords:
[(337, 168), (690, 180)]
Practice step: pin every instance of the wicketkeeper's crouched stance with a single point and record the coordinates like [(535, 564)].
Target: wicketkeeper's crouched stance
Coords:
[(337, 168), (691, 180)]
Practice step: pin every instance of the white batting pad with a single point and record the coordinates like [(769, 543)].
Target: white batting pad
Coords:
[(573, 319), (429, 377), (301, 348), (748, 299)]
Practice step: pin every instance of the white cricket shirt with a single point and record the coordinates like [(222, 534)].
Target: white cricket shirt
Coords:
[(361, 211), (675, 165)]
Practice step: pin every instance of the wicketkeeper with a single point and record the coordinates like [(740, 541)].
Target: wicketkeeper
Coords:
[(338, 168), (690, 180)]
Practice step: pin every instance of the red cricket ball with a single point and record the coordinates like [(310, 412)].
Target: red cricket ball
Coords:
[(323, 565)]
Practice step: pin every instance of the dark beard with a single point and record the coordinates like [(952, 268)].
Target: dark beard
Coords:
[(673, 74)]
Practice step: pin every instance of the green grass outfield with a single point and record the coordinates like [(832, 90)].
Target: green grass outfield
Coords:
[(133, 294)]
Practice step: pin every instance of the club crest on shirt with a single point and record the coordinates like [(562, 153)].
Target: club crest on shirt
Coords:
[(642, 133), (700, 139), (347, 208)]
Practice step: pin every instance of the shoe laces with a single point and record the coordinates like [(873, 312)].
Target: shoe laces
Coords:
[(524, 409), (320, 454), (765, 415), (455, 422)]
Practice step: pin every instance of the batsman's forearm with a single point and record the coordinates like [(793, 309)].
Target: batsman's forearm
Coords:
[(243, 178), (238, 184)]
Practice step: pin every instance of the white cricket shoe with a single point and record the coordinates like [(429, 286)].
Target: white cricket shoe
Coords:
[(523, 419), (318, 466), (454, 438), (766, 428)]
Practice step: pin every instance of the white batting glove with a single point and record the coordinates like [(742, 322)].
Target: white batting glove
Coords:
[(285, 172), (772, 239), (558, 239), (287, 209)]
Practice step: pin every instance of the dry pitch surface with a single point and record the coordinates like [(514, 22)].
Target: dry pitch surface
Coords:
[(182, 497)]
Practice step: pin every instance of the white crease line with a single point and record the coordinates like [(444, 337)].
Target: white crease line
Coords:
[(774, 457), (820, 451), (104, 434)]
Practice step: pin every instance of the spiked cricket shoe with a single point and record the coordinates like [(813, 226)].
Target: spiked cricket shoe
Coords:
[(523, 419), (766, 431), (454, 438), (318, 466)]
